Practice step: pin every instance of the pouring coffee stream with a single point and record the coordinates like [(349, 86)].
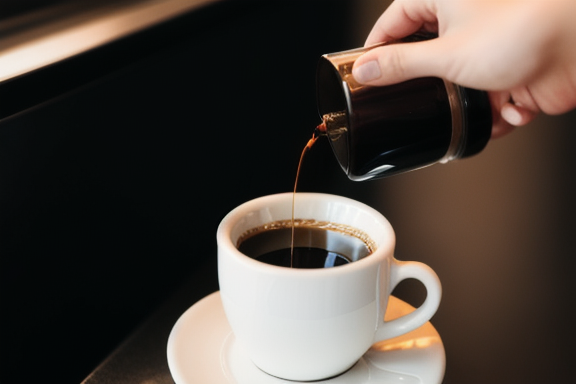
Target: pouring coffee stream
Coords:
[(306, 148), (377, 132)]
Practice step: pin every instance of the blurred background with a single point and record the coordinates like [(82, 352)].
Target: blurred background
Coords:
[(118, 161)]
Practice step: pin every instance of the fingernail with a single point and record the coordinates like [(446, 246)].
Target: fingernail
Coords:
[(367, 72), (511, 115)]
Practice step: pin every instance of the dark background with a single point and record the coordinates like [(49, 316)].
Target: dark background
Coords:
[(117, 166), (110, 194)]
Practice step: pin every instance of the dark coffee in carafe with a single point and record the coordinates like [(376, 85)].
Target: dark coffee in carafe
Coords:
[(380, 131)]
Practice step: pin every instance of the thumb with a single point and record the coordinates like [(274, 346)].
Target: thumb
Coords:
[(395, 63)]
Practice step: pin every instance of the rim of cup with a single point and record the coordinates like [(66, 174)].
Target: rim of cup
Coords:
[(385, 239)]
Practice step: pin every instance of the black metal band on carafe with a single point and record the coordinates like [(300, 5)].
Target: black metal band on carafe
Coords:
[(382, 131)]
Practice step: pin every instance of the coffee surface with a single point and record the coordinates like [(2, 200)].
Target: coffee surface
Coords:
[(316, 244), (303, 257)]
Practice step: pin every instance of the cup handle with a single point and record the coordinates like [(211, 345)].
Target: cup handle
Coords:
[(401, 270)]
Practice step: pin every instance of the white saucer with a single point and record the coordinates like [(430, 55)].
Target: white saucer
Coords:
[(202, 349)]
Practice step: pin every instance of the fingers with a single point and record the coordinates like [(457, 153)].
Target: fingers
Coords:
[(509, 117), (395, 63), (399, 62), (519, 108), (516, 115), (507, 114), (401, 19)]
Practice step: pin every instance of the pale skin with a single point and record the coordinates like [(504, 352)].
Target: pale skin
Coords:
[(523, 52)]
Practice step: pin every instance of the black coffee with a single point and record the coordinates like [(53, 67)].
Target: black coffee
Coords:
[(303, 257), (316, 244)]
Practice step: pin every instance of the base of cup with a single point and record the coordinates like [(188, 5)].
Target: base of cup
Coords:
[(301, 380)]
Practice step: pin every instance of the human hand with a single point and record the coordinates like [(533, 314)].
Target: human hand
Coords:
[(522, 52)]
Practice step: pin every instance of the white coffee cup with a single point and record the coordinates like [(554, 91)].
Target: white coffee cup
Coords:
[(313, 324)]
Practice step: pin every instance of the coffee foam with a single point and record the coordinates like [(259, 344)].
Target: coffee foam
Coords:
[(310, 223)]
